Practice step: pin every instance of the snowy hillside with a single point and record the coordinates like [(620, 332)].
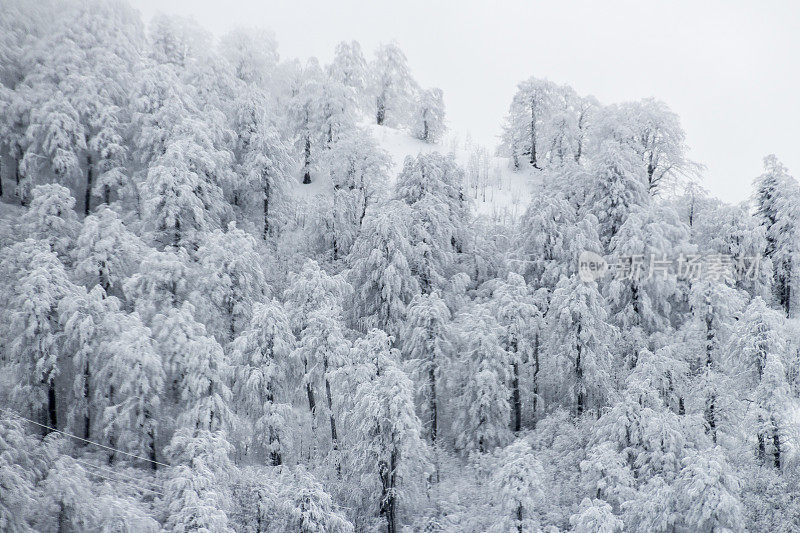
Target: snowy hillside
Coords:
[(496, 191)]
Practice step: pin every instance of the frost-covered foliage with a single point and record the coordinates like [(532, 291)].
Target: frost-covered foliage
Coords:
[(225, 307)]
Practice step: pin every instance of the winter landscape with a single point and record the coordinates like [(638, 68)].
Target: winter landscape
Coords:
[(243, 292)]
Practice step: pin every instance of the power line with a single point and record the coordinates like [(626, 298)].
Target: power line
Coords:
[(120, 474), (82, 439)]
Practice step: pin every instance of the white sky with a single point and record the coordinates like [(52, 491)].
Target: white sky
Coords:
[(730, 69)]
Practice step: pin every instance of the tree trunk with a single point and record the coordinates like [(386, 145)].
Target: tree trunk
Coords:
[(776, 444), (519, 518), (307, 161), (312, 404), (516, 398), (533, 136), (432, 405), (87, 421), (388, 498), (266, 210), (381, 112), (52, 410), (535, 378), (89, 180)]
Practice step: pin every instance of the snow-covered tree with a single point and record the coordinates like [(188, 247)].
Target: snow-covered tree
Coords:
[(387, 449), (196, 495), (50, 218), (358, 169), (132, 379), (579, 343), (427, 344), (88, 320), (231, 280), (252, 52), (391, 85), (350, 69), (322, 348), (483, 412), (35, 342), (595, 516), (429, 115), (17, 476), (380, 268), (521, 323), (261, 358), (708, 493), (106, 252), (308, 508), (519, 486)]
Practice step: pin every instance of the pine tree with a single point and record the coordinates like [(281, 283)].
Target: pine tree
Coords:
[(775, 195)]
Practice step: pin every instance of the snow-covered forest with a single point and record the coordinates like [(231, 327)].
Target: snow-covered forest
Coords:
[(247, 293)]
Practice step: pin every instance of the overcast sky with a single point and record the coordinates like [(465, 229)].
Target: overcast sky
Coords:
[(729, 69)]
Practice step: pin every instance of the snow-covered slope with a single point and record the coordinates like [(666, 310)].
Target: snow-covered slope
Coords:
[(502, 198)]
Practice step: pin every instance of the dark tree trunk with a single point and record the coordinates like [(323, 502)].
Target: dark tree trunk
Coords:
[(534, 162), (535, 378), (433, 405), (380, 115), (519, 519), (761, 449), (89, 181), (52, 410), (307, 161), (312, 404), (87, 421), (329, 398), (710, 413), (516, 397), (388, 498), (266, 210), (776, 444)]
